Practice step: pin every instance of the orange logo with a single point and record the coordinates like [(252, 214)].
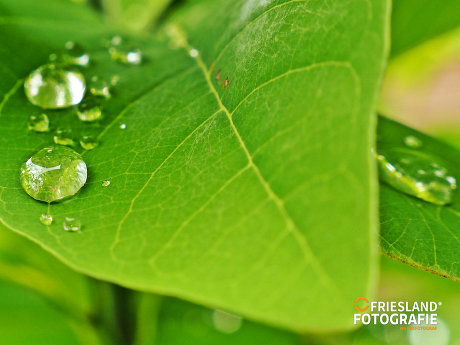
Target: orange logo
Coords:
[(356, 301)]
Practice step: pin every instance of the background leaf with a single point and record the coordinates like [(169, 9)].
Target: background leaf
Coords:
[(244, 177), (414, 21), (413, 231)]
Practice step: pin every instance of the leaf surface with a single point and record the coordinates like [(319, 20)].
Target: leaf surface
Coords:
[(421, 234), (244, 176)]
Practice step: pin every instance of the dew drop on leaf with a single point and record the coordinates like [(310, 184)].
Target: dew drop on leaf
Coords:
[(413, 142), (89, 110), (123, 126), (106, 183), (114, 80), (46, 219), (226, 322), (88, 142), (417, 174), (71, 224), (63, 137), (193, 53), (126, 55), (53, 173), (99, 87), (53, 87), (75, 54), (39, 123)]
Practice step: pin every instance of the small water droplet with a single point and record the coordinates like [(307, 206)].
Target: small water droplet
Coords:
[(226, 322), (71, 224), (412, 172), (53, 173), (413, 142), (63, 137), (39, 123), (106, 183), (88, 142), (46, 219), (193, 53), (76, 54), (123, 126), (54, 87), (89, 110), (126, 55), (116, 40), (114, 80), (99, 87)]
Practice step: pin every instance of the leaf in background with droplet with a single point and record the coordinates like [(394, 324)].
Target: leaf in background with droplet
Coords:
[(421, 234), (415, 21), (243, 178)]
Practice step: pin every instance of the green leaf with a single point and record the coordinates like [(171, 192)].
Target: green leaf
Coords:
[(244, 176), (415, 21), (185, 323), (421, 234)]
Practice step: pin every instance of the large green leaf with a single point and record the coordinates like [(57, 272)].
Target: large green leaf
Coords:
[(421, 234), (244, 178), (415, 21)]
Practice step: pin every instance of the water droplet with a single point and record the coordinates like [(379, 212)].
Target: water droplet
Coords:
[(46, 219), (89, 110), (123, 126), (53, 173), (63, 137), (413, 173), (226, 322), (76, 54), (126, 55), (39, 123), (88, 142), (114, 80), (71, 224), (106, 183), (116, 40), (53, 87), (413, 142), (99, 87), (193, 53)]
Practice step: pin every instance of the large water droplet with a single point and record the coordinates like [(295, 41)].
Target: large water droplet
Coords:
[(53, 173), (71, 224), (46, 219), (39, 123), (63, 137), (89, 110), (88, 142), (417, 174), (54, 87)]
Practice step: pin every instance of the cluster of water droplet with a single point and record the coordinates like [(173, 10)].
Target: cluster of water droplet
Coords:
[(58, 172), (414, 172)]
